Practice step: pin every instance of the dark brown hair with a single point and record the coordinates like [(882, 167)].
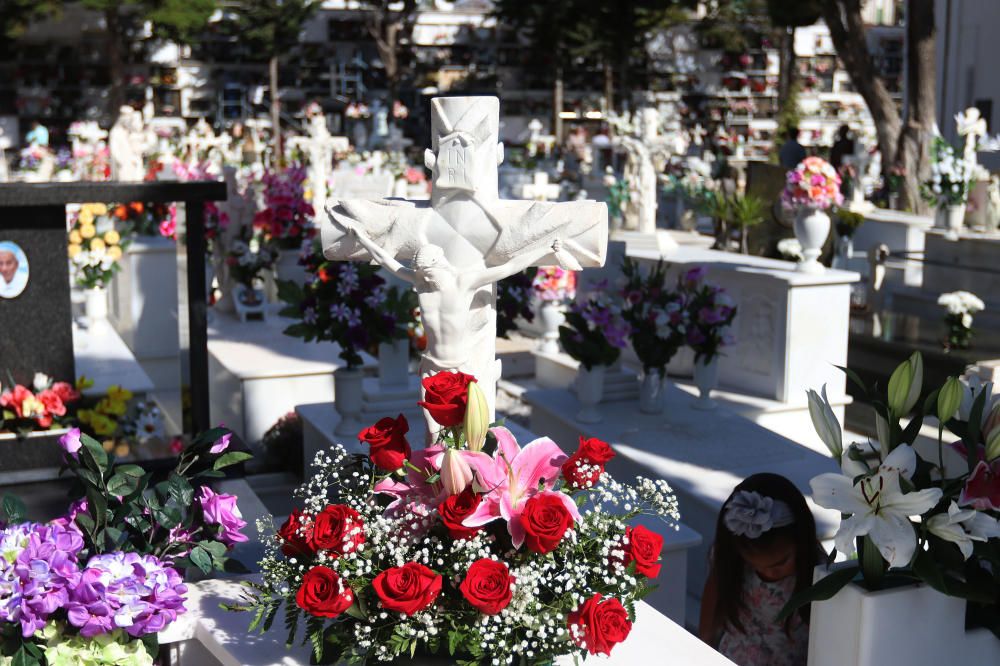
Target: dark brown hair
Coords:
[(726, 563)]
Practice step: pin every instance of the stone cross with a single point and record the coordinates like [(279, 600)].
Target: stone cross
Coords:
[(540, 189), (320, 146), (972, 126), (465, 238)]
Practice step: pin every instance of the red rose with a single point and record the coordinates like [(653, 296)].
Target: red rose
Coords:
[(599, 625), (643, 548), (53, 404), (66, 392), (583, 469), (387, 438), (545, 519), (296, 537), (455, 509), (487, 586), (323, 593), (445, 396), (407, 589), (338, 529)]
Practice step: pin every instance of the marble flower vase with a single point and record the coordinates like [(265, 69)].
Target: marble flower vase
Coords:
[(864, 628), (706, 378), (812, 226), (589, 391), (951, 218), (96, 307), (652, 391), (551, 316), (348, 400)]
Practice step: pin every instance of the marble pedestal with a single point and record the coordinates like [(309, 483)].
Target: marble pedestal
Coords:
[(902, 233), (259, 374), (208, 636), (143, 307), (791, 328), (971, 263), (703, 455)]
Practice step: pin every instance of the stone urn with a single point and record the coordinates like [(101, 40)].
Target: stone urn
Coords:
[(589, 391), (706, 378), (348, 400), (651, 391), (812, 226), (950, 217), (96, 307)]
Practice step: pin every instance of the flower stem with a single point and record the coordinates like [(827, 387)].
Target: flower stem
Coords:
[(872, 564)]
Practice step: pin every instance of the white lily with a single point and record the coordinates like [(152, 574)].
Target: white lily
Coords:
[(876, 505), (963, 526)]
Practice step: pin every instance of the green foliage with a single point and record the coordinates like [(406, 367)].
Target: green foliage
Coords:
[(746, 210), (179, 20), (789, 115), (794, 13), (847, 222), (17, 15), (273, 26)]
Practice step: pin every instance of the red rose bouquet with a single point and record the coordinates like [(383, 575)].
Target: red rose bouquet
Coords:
[(474, 548)]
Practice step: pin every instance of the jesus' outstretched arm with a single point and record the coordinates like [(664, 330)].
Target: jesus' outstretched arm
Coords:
[(386, 260), (516, 264)]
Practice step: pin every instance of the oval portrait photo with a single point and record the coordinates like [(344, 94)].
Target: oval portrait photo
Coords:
[(13, 270)]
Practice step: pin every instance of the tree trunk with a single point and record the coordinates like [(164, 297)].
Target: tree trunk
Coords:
[(843, 18), (275, 110), (116, 95), (786, 63), (609, 85), (557, 106), (916, 135)]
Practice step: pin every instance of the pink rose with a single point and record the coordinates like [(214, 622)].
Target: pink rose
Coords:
[(221, 510)]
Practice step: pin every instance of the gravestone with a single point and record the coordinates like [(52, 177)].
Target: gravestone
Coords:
[(37, 333)]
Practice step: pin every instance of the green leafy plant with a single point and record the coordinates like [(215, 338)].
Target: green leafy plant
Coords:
[(746, 211)]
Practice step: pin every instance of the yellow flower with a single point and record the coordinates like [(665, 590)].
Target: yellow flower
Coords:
[(83, 383), (75, 237), (118, 393), (115, 252), (31, 407), (99, 209), (112, 407), (122, 449), (112, 237), (88, 230), (477, 418), (74, 249), (86, 217), (96, 245), (102, 425)]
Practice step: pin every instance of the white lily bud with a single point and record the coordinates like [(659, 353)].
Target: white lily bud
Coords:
[(825, 422), (41, 381), (456, 475), (477, 418)]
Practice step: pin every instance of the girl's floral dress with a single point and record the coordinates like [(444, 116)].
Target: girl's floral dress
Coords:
[(764, 642)]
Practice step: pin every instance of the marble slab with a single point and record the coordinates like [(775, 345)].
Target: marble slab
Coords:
[(208, 636), (703, 455), (903, 233), (259, 374)]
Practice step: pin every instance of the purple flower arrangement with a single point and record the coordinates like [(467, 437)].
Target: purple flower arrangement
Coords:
[(514, 301), (112, 568), (710, 311), (657, 316), (347, 303), (595, 331)]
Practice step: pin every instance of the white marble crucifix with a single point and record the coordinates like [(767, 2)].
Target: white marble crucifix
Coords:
[(454, 247), (320, 146)]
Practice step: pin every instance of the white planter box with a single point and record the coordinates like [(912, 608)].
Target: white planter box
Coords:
[(144, 298), (913, 625)]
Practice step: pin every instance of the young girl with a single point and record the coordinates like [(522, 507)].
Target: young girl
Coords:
[(765, 550)]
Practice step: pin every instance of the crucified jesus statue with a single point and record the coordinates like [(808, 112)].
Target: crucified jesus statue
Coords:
[(452, 318)]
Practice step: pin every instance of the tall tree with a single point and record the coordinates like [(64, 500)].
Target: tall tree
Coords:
[(615, 33), (272, 27), (179, 20), (390, 24), (903, 142), (17, 15), (544, 28), (789, 15)]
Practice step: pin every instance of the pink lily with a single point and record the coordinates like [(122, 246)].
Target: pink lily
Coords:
[(511, 477), (982, 489), (415, 488)]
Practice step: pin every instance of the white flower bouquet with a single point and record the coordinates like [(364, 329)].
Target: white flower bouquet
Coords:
[(960, 306)]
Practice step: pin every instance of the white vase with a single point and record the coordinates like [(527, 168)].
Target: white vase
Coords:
[(954, 217), (651, 392), (864, 628), (287, 267), (706, 378), (348, 401), (812, 226), (589, 391), (96, 307), (552, 317), (394, 363)]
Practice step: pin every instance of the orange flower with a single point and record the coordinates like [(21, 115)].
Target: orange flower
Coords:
[(120, 212), (137, 207)]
